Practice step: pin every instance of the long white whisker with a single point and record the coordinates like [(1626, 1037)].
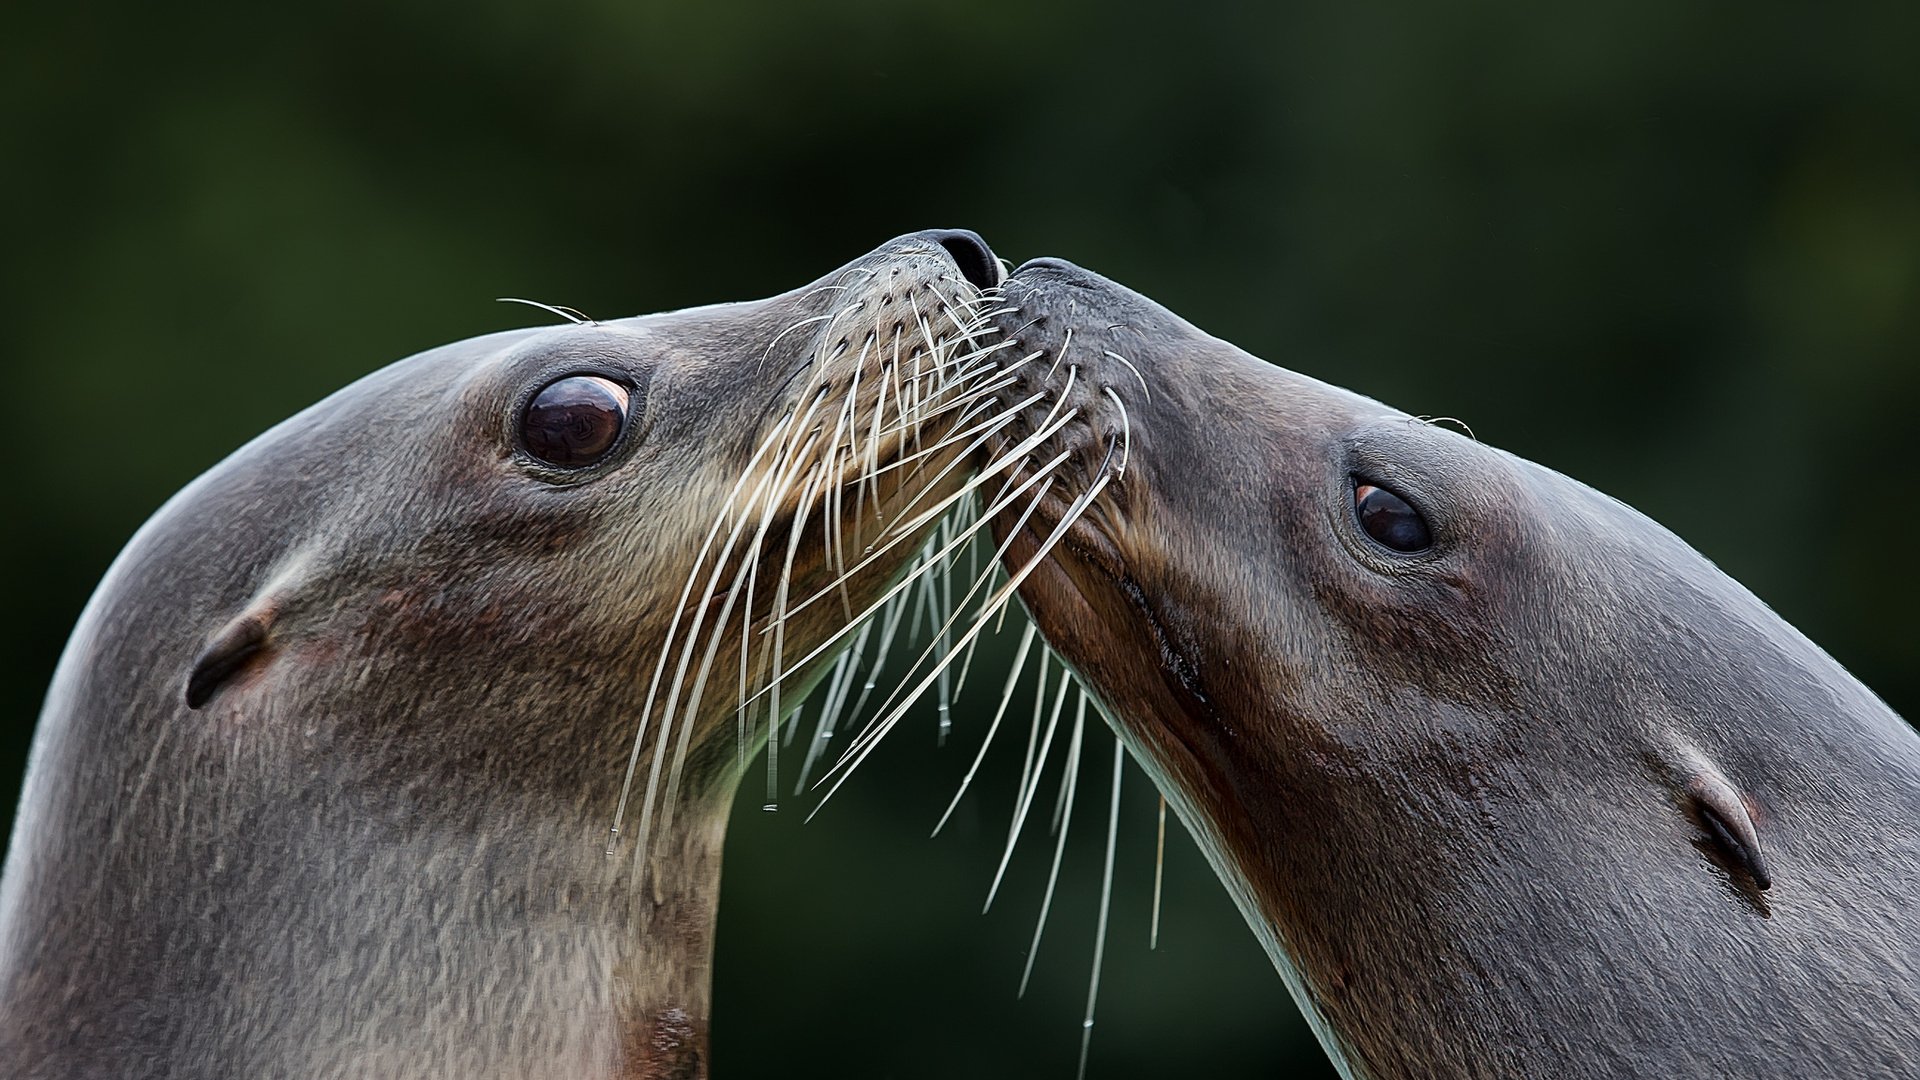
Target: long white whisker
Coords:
[(832, 535), (1159, 875), (1126, 430), (836, 699), (779, 646), (775, 492), (698, 691), (788, 467), (1034, 504), (855, 455), (1030, 785), (1001, 596), (869, 478), (1130, 367), (808, 321), (912, 577), (1066, 344), (1106, 904), (633, 758), (919, 573), (989, 426), (942, 638), (894, 611), (1069, 778), (1006, 696), (1013, 455), (570, 314), (1033, 728)]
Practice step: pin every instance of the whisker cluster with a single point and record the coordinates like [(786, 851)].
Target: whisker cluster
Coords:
[(860, 525)]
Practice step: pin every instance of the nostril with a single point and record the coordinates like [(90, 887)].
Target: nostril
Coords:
[(1049, 263), (971, 254)]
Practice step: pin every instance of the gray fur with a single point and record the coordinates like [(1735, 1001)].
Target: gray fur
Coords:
[(1555, 799), (378, 848)]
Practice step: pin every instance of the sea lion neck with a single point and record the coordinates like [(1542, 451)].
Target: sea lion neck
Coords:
[(449, 922)]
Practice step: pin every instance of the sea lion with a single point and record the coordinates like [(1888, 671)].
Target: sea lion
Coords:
[(1507, 779), (324, 782)]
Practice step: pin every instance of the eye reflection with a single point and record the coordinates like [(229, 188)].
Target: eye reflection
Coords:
[(574, 421), (1390, 519)]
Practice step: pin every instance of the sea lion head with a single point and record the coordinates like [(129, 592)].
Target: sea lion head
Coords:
[(346, 726), (569, 511), (1473, 745)]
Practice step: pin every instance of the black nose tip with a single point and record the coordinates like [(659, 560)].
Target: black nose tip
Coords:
[(1047, 262), (971, 254)]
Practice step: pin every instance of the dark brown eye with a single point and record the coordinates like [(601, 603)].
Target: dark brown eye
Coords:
[(1387, 518), (574, 421)]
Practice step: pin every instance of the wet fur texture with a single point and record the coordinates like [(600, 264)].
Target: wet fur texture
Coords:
[(370, 839), (1485, 806)]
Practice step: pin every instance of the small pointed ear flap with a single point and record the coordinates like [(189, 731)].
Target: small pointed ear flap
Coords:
[(1725, 814), (1711, 800), (236, 645)]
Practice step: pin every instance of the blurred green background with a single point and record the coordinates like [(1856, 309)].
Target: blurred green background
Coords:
[(1670, 249)]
